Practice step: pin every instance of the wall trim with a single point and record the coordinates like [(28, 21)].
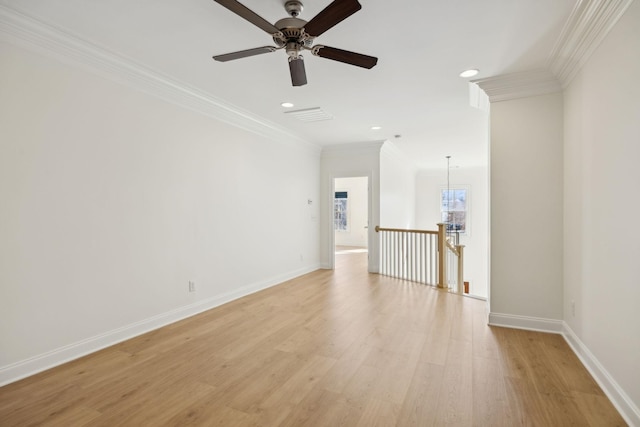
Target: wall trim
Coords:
[(589, 23), (519, 85), (622, 402), (30, 33), (25, 368), (525, 322), (614, 392)]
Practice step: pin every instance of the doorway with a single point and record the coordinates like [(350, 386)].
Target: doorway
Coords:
[(351, 220)]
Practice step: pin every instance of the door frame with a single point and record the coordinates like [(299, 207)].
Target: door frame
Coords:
[(370, 231)]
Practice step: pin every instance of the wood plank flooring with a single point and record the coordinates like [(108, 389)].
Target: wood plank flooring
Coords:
[(332, 348)]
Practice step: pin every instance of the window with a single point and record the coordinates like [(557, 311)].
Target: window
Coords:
[(340, 205), (454, 208)]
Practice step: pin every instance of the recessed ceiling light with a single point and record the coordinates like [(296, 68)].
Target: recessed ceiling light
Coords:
[(376, 127), (469, 73), (287, 104)]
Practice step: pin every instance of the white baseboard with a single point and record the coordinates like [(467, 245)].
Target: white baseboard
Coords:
[(614, 392), (25, 368), (628, 410), (475, 297), (526, 322)]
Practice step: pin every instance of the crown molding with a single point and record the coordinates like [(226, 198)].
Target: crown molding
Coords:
[(28, 32), (519, 85), (589, 23)]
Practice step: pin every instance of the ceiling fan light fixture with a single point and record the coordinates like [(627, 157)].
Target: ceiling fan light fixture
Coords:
[(469, 73)]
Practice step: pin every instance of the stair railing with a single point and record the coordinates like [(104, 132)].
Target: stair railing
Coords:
[(421, 256)]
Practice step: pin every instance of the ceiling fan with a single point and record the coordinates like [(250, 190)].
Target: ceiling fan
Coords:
[(295, 35)]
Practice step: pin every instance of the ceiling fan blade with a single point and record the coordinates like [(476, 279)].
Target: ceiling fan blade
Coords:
[(331, 15), (345, 56), (246, 13), (298, 74), (244, 53)]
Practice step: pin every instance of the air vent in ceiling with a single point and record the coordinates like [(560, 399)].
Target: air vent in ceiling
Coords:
[(310, 114)]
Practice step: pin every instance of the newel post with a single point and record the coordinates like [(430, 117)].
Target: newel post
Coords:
[(442, 255), (460, 249)]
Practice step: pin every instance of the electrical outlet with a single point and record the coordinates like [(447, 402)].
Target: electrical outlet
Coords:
[(192, 286)]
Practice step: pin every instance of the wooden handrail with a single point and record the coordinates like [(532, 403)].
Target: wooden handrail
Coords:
[(378, 229), (453, 248)]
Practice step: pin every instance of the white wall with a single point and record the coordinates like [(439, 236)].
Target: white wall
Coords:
[(429, 183), (343, 161), (112, 200), (602, 237), (397, 188), (357, 212), (526, 208)]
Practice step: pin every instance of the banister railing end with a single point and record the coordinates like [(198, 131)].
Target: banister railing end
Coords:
[(377, 228)]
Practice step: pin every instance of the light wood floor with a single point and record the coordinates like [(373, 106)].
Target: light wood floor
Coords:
[(341, 348)]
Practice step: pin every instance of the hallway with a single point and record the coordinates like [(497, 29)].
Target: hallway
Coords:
[(331, 348)]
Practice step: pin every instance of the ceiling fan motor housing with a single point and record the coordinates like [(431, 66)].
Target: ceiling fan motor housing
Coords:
[(291, 29)]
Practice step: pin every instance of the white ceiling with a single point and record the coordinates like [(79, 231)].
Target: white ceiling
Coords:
[(414, 91)]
